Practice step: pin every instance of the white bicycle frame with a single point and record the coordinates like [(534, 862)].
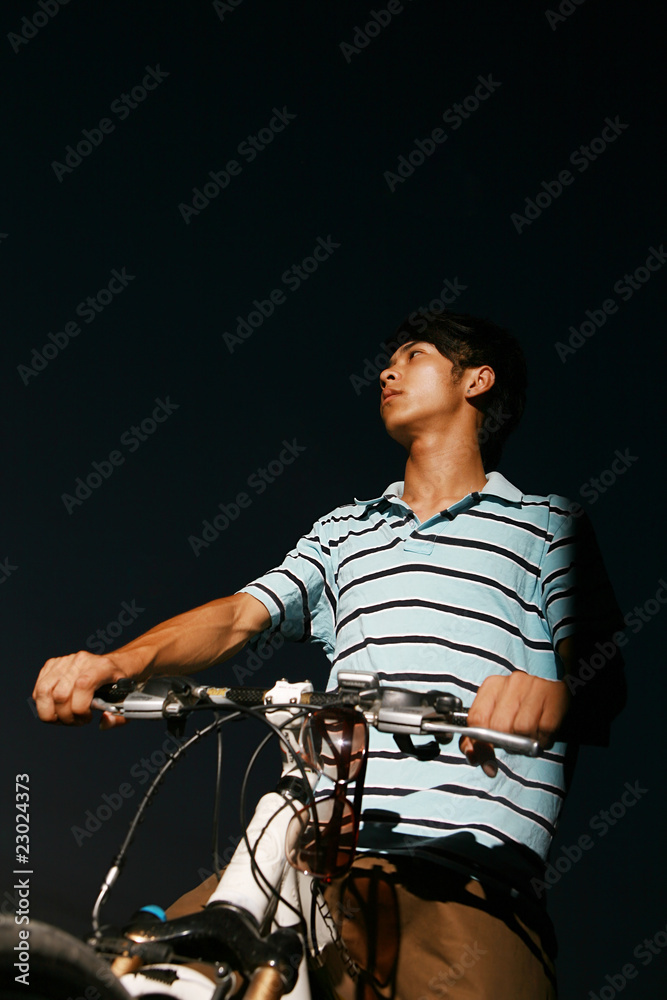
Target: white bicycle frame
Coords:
[(240, 886)]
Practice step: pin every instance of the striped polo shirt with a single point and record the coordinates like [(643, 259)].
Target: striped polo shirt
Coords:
[(484, 587)]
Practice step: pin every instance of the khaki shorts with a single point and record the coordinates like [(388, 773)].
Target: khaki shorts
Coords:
[(419, 931)]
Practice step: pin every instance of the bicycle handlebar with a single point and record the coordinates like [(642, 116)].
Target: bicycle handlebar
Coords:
[(388, 709)]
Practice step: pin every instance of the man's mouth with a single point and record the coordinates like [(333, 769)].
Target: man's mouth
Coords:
[(389, 393)]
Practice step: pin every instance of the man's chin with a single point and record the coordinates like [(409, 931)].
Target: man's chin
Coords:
[(398, 432)]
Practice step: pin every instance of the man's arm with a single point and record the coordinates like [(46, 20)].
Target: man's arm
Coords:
[(185, 644)]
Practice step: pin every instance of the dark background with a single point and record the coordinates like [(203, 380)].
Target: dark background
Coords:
[(67, 573)]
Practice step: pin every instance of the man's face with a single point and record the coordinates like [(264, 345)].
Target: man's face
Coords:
[(418, 392)]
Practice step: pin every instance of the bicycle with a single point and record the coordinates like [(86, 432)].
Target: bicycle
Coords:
[(266, 926)]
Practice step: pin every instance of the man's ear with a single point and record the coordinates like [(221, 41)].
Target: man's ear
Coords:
[(479, 380)]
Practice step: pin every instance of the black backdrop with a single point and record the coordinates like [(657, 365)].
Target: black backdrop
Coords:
[(343, 103)]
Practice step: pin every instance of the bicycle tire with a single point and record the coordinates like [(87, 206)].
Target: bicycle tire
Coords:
[(61, 966)]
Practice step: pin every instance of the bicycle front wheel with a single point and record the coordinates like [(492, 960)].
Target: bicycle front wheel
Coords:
[(59, 966)]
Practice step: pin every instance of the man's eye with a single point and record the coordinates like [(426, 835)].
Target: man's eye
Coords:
[(412, 353)]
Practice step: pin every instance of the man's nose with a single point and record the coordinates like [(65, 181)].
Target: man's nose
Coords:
[(387, 375)]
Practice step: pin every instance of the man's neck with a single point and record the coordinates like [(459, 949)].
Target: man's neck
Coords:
[(438, 474)]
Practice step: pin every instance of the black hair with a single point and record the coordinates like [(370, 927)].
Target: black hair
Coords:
[(470, 342)]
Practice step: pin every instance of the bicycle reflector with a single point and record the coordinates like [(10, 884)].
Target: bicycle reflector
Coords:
[(322, 838)]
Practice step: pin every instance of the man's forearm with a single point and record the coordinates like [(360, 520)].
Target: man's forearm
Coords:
[(184, 644), (195, 639)]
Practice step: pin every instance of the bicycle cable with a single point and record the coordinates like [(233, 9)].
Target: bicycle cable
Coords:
[(216, 803), (256, 870), (257, 712), (119, 860)]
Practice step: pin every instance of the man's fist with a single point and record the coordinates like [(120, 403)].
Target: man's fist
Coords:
[(66, 685), (519, 703)]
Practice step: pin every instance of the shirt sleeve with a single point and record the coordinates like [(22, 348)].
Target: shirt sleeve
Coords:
[(558, 578), (300, 593)]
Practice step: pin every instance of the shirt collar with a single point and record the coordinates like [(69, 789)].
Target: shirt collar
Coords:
[(496, 486)]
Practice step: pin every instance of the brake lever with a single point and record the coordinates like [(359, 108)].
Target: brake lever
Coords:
[(410, 714), (157, 698)]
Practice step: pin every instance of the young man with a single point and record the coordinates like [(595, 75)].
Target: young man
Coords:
[(451, 579)]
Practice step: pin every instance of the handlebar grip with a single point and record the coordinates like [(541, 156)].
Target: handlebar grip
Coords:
[(323, 697), (251, 697), (246, 695), (510, 742)]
